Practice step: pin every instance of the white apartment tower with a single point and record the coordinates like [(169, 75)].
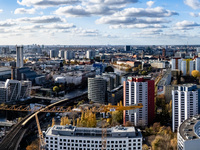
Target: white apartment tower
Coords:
[(184, 104), (69, 55), (90, 54), (187, 66), (137, 90), (61, 53), (197, 64), (20, 56), (176, 63)]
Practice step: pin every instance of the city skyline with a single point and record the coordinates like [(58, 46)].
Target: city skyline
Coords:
[(99, 22)]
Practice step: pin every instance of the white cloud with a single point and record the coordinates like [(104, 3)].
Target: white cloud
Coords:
[(60, 26), (25, 11), (1, 10), (194, 14), (186, 25), (150, 3), (129, 20), (139, 26), (112, 2), (146, 12), (72, 11), (46, 3), (43, 19), (7, 23), (195, 4)]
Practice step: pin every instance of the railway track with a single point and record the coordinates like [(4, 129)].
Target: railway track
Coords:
[(12, 139)]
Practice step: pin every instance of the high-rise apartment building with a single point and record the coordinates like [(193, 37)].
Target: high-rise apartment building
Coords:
[(69, 55), (20, 56), (61, 53), (53, 53), (90, 54), (184, 104), (187, 66), (197, 64), (138, 90), (176, 63)]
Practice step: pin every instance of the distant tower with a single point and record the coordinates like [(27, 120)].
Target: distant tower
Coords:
[(20, 55), (164, 52), (127, 48)]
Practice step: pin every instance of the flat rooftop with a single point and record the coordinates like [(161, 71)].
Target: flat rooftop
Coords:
[(114, 132), (186, 129)]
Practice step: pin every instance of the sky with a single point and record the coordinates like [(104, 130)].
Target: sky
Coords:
[(100, 22)]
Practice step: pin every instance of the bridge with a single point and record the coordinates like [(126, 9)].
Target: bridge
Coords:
[(12, 140)]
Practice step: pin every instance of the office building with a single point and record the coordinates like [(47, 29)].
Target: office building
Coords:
[(76, 138), (115, 95), (184, 104), (188, 135), (139, 90), (127, 48), (187, 66), (13, 90), (25, 89), (97, 88), (20, 56), (3, 93)]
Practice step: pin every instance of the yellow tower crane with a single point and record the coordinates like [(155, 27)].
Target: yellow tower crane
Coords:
[(111, 108)]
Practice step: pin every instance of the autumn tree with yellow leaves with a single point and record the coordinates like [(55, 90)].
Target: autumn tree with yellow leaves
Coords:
[(195, 73)]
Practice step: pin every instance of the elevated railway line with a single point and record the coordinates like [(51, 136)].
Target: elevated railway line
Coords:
[(12, 140)]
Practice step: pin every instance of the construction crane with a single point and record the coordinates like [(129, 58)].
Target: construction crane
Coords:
[(60, 109), (41, 136), (112, 108)]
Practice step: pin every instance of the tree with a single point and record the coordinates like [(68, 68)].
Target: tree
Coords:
[(53, 122), (195, 73), (128, 69), (56, 89), (161, 143), (117, 117), (128, 124), (139, 66), (144, 73), (34, 145), (145, 147)]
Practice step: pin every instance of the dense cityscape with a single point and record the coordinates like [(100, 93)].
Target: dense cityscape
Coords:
[(100, 97), (99, 75)]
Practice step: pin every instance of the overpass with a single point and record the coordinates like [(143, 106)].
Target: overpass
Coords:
[(12, 140)]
